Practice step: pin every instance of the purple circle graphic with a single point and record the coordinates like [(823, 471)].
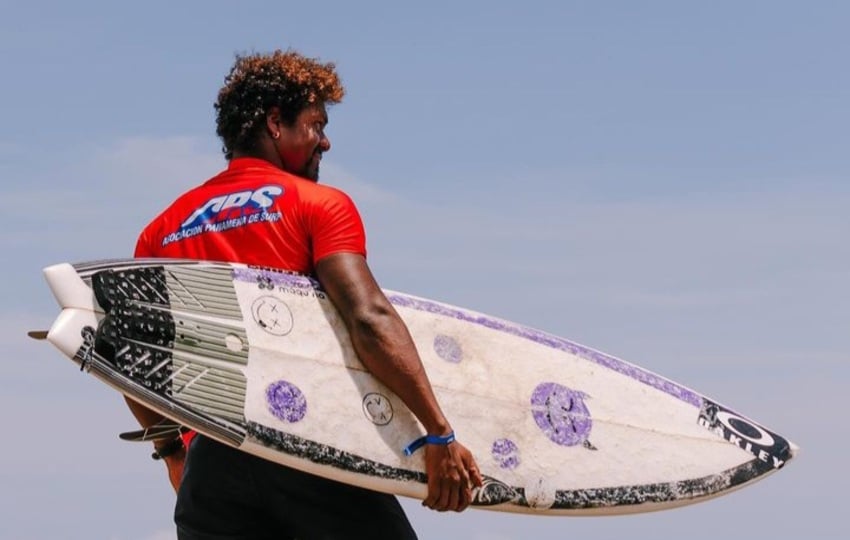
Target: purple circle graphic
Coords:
[(286, 401), (448, 349), (506, 453), (561, 413)]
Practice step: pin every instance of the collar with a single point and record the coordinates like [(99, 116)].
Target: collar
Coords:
[(242, 163)]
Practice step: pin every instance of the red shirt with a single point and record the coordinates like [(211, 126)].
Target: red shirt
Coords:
[(257, 214)]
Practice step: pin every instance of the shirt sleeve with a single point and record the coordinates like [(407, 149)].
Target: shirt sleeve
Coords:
[(143, 247), (336, 226)]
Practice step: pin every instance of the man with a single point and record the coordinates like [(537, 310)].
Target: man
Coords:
[(271, 116)]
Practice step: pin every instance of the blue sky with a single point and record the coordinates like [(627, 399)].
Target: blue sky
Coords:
[(664, 181)]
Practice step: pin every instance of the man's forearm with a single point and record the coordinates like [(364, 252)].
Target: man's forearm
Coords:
[(384, 345), (379, 336)]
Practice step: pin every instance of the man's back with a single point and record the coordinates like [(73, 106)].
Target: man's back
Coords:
[(255, 213)]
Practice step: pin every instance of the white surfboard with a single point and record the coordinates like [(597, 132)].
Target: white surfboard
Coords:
[(260, 360)]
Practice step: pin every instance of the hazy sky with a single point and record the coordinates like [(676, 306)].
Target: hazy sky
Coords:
[(664, 181)]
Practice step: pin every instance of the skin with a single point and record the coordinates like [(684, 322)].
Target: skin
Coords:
[(379, 336), (174, 462), (295, 148)]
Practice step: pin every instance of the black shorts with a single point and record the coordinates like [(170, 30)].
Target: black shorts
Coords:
[(228, 494)]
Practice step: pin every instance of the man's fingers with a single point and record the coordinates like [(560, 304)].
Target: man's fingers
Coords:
[(454, 497), (452, 473), (433, 491), (465, 497), (474, 473), (464, 477), (445, 498)]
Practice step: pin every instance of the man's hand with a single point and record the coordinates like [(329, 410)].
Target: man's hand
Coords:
[(452, 473)]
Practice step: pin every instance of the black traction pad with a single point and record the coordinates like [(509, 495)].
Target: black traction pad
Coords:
[(137, 334)]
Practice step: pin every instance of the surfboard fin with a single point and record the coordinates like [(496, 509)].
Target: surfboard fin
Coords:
[(38, 334), (165, 429)]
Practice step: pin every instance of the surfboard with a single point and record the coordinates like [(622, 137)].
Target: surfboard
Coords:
[(259, 359)]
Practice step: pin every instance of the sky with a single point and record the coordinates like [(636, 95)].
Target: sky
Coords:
[(666, 181)]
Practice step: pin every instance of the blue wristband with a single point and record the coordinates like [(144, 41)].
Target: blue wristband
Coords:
[(429, 439)]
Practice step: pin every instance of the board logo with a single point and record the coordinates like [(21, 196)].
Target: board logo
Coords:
[(231, 210), (745, 434), (272, 315), (377, 408)]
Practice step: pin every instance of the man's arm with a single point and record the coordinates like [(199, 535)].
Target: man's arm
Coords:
[(385, 347), (174, 462)]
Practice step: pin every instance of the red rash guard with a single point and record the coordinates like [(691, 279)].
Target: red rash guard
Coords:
[(257, 214)]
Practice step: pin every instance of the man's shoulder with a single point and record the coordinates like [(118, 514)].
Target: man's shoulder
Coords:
[(320, 193)]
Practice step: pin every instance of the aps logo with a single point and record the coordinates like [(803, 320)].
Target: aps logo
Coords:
[(223, 205), (229, 211)]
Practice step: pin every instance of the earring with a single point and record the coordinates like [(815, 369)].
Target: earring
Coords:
[(276, 134)]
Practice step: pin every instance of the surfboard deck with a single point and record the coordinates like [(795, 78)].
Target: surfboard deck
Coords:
[(260, 360)]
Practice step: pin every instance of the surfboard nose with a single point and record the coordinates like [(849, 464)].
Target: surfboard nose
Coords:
[(793, 449), (68, 288)]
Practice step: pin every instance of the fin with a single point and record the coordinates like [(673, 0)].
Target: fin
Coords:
[(166, 429), (37, 334)]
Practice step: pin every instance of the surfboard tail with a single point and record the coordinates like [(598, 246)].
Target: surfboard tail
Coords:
[(72, 342), (68, 288)]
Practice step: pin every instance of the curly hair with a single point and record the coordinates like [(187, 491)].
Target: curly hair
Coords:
[(257, 82)]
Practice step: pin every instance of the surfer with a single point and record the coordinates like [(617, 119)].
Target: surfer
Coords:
[(271, 116)]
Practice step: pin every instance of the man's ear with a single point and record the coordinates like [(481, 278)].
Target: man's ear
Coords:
[(273, 119)]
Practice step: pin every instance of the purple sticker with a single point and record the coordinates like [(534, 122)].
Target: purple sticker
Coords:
[(448, 349), (561, 413), (286, 401), (506, 453)]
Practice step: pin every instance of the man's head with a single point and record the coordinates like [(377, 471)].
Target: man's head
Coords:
[(272, 106)]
